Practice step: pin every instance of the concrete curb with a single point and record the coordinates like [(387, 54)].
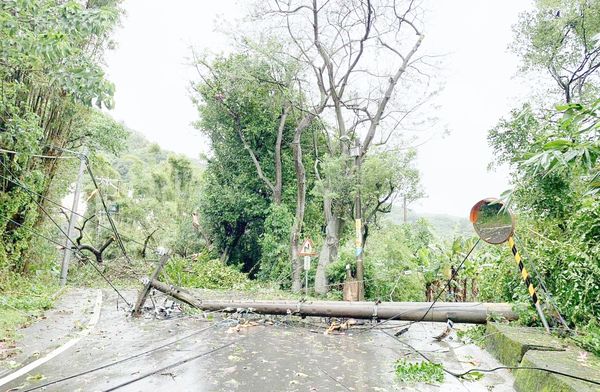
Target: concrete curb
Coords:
[(529, 347)]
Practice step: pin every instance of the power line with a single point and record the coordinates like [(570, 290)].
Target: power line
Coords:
[(35, 232), (121, 360), (334, 379), (448, 283), (529, 368), (549, 296), (171, 366), (110, 220), (19, 184), (40, 206), (104, 277), (71, 240), (83, 257), (75, 153), (36, 155), (461, 375)]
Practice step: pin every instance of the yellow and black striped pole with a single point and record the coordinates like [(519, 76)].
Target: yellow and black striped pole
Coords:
[(527, 279)]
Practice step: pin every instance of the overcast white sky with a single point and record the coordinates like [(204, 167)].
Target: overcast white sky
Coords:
[(151, 74)]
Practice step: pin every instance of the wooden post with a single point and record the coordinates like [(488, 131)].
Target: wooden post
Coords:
[(350, 289), (139, 304)]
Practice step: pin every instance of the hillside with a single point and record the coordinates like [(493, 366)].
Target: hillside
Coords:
[(444, 225)]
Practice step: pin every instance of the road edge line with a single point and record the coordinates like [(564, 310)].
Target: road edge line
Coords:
[(91, 324)]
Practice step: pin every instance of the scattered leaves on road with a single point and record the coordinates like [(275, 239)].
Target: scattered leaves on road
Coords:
[(413, 372), (36, 377), (473, 376)]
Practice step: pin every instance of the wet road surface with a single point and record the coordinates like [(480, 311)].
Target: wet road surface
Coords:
[(224, 355)]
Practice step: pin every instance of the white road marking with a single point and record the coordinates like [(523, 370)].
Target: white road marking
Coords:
[(26, 369)]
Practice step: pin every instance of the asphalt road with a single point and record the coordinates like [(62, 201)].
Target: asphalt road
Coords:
[(224, 355)]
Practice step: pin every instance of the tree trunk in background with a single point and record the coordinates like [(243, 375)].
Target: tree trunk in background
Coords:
[(300, 207), (330, 247), (474, 288), (296, 266), (278, 186), (225, 255)]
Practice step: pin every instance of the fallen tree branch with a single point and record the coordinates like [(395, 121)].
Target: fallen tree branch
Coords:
[(96, 252)]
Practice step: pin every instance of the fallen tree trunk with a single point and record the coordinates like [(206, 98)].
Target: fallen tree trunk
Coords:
[(463, 312)]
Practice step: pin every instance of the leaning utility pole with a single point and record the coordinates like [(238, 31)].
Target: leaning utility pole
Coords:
[(72, 219)]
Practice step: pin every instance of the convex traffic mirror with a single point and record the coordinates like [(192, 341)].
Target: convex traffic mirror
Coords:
[(493, 222)]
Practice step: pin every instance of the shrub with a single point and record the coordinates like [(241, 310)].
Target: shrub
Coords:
[(391, 270), (204, 273)]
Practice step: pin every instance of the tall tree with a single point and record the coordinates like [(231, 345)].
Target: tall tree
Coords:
[(51, 75), (249, 110), (562, 38), (355, 96)]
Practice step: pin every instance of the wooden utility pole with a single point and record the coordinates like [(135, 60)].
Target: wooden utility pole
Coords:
[(360, 269), (462, 312), (139, 304), (69, 245)]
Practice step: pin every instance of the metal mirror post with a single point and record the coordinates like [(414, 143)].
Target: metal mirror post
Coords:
[(495, 224)]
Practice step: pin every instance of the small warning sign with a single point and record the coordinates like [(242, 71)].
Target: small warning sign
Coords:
[(307, 248)]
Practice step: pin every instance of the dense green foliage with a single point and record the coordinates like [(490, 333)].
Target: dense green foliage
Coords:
[(153, 194), (560, 37), (556, 196), (51, 76), (553, 154), (241, 101), (392, 270), (22, 301), (204, 273)]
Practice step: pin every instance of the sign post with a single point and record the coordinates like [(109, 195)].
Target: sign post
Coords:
[(307, 250)]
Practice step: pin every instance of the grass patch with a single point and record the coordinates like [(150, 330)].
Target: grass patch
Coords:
[(414, 372), (22, 300), (588, 337)]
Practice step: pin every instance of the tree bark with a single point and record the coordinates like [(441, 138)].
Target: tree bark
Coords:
[(225, 255), (297, 267), (277, 188), (330, 247)]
